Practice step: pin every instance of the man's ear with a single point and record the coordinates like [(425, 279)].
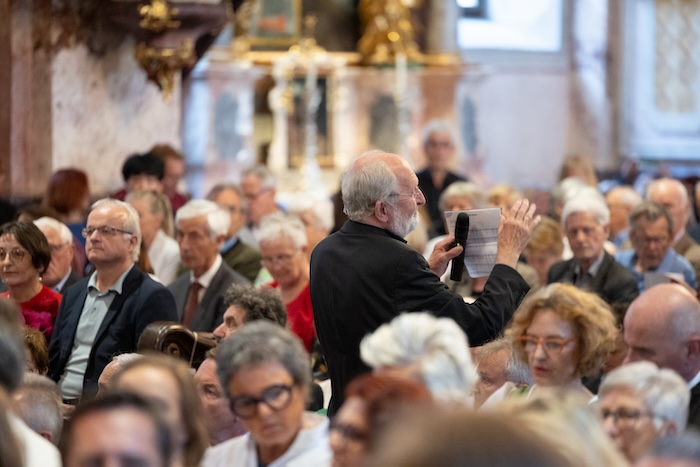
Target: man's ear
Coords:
[(693, 347), (381, 212)]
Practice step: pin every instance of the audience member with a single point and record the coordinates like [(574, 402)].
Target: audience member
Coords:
[(221, 423), (104, 314), (267, 376), (364, 275), (283, 247), (503, 196), (242, 258), (563, 333), (651, 234), (498, 365), (36, 354), (316, 214), (245, 304), (432, 351), (439, 146), (156, 223), (663, 327), (258, 185), (578, 166), (674, 451), (37, 402), (641, 403), (621, 201), (371, 402), (25, 255), (672, 195), (141, 172), (59, 275), (545, 248), (117, 429), (198, 292), (36, 451), (167, 383), (68, 193), (173, 171), (104, 382), (586, 222)]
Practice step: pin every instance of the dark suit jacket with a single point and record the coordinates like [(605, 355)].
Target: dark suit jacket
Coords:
[(142, 302), (211, 309), (694, 408), (72, 279), (243, 259), (614, 283), (364, 276)]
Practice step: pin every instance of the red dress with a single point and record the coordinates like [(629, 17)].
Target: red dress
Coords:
[(40, 311), (300, 315)]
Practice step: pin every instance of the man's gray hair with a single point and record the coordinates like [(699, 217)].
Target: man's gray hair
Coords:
[(320, 208), (267, 179), (363, 186), (131, 220), (517, 371), (437, 346), (38, 403), (277, 225), (259, 343), (589, 204), (651, 212), (11, 346), (438, 125), (663, 390), (50, 223), (468, 190), (218, 219), (221, 187)]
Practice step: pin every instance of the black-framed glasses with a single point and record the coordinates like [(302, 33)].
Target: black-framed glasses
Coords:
[(16, 254), (104, 230), (551, 345), (347, 431), (277, 397), (625, 418)]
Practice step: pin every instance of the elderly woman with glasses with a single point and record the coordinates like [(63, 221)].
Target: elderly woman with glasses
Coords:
[(266, 374), (563, 333), (283, 247), (641, 404), (24, 257)]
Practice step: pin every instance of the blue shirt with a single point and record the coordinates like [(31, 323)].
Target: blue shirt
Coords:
[(672, 262)]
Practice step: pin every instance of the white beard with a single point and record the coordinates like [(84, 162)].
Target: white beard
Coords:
[(402, 226)]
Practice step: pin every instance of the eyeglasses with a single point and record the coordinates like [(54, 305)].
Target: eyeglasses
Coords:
[(56, 248), (650, 240), (254, 196), (348, 432), (277, 397), (280, 260), (105, 231), (625, 418), (16, 255), (414, 194), (551, 345)]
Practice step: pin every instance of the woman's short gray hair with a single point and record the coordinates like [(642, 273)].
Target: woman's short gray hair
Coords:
[(362, 186), (468, 190), (279, 224), (263, 342), (438, 346), (218, 219), (664, 392)]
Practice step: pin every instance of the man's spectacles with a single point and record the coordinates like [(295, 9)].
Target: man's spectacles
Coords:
[(254, 196), (625, 418), (414, 194), (280, 260), (16, 255), (551, 345), (56, 248), (105, 231), (348, 432), (277, 397)]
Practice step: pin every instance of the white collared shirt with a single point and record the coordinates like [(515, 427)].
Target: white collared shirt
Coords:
[(206, 278)]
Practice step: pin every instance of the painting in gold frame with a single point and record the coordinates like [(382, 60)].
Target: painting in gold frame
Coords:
[(275, 24)]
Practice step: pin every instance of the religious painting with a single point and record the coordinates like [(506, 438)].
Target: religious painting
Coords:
[(275, 24)]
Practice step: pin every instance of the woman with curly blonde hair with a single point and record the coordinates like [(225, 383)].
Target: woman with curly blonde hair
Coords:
[(563, 333)]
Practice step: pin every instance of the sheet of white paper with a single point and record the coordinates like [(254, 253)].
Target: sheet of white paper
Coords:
[(482, 241), (654, 278)]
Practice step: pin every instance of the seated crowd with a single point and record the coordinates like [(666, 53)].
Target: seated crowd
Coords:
[(580, 348)]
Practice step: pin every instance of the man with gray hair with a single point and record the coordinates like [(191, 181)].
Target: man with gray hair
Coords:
[(59, 275), (199, 292), (497, 366), (259, 189), (586, 223), (242, 257), (365, 274), (663, 326), (621, 200), (37, 451), (38, 402), (105, 313)]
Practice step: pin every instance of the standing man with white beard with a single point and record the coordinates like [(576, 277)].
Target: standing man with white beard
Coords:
[(365, 274)]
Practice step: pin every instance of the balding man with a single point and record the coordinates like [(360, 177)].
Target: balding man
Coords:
[(663, 326), (365, 274), (672, 195)]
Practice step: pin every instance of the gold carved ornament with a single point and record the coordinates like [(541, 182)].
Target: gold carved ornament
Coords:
[(162, 64), (158, 16)]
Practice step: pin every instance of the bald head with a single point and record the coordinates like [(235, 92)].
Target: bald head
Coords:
[(663, 326), (672, 195)]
